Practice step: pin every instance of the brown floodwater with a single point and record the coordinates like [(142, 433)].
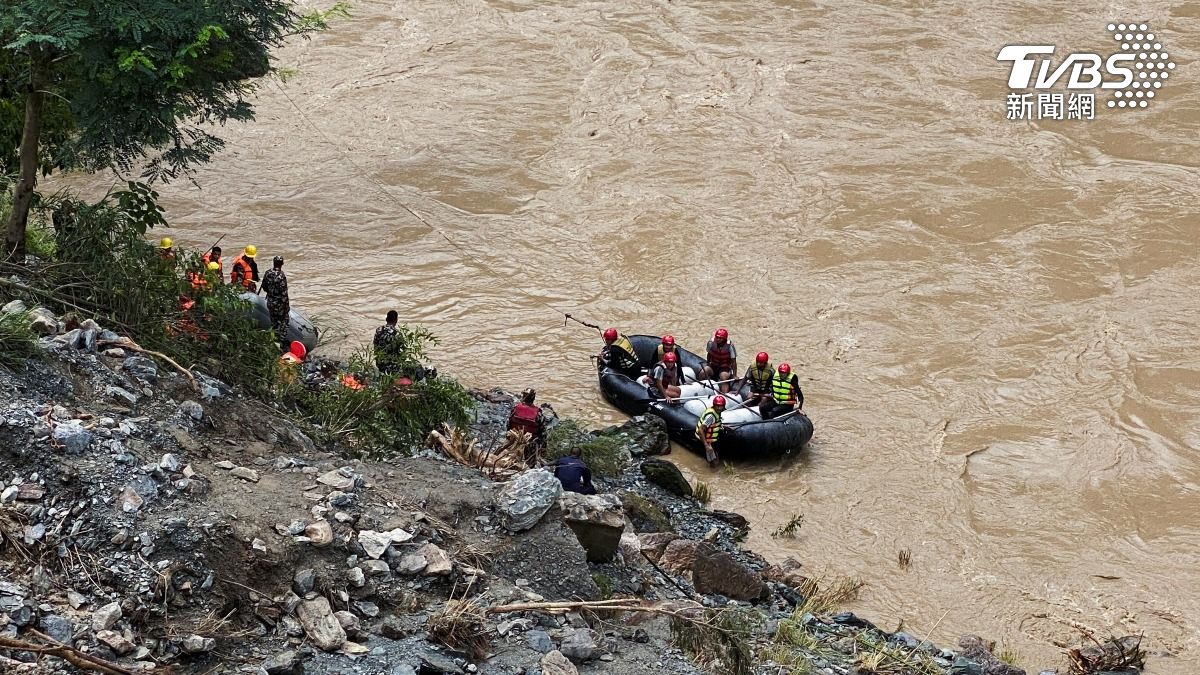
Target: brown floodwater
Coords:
[(994, 321)]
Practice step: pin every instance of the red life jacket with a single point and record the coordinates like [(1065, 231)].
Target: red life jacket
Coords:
[(720, 359), (524, 418)]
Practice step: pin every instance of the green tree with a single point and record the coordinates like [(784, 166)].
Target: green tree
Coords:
[(122, 83)]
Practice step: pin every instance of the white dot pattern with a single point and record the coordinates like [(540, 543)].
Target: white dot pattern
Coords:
[(1150, 62)]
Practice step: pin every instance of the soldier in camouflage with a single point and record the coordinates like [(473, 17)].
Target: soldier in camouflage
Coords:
[(387, 344), (274, 284)]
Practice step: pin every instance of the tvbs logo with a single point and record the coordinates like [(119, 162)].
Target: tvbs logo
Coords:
[(1133, 75)]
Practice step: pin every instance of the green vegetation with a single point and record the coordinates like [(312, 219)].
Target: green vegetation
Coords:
[(790, 528), (645, 514), (605, 455), (17, 342), (720, 642), (701, 492), (604, 583), (1009, 656), (99, 85)]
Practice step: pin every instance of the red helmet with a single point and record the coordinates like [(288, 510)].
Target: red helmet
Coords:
[(718, 401), (785, 368), (761, 358), (721, 334), (670, 357), (669, 340), (610, 334)]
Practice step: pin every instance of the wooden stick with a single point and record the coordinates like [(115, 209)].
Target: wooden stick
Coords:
[(68, 654), (133, 346)]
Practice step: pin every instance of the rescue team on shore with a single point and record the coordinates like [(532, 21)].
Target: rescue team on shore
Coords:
[(775, 391)]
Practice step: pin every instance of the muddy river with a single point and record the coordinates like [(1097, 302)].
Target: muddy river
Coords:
[(994, 320)]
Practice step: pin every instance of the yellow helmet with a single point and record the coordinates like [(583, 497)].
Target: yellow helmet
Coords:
[(213, 267), (251, 250), (165, 243)]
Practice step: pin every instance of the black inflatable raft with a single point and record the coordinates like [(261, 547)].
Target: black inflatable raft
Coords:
[(744, 435), (299, 327)]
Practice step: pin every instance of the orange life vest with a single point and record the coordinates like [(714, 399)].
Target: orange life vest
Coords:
[(241, 273), (207, 258)]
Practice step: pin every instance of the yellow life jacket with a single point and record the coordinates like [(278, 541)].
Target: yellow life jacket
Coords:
[(629, 358), (782, 390), (760, 378), (713, 432)]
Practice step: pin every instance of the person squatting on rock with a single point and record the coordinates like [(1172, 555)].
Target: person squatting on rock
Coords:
[(618, 353), (387, 344), (275, 285), (574, 474), (785, 394), (528, 418)]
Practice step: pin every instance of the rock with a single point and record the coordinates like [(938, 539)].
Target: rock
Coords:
[(375, 544), (43, 326), (579, 646), (433, 663), (667, 476), (437, 563), (244, 473), (393, 628), (225, 464), (337, 480), (975, 652), (555, 663), (539, 641), (12, 596), (8, 494), (356, 577), (58, 628), (353, 649), (413, 563), (788, 572), (523, 501), (596, 520), (320, 624), (717, 572), (76, 599), (644, 513), (118, 394), (14, 307), (645, 435), (303, 582), (191, 409), (141, 368), (964, 666), (115, 641), (259, 545), (348, 622), (375, 568), (169, 462), (319, 533), (195, 644), (735, 520), (679, 556), (30, 492), (283, 663), (551, 559), (72, 436), (113, 353), (130, 501)]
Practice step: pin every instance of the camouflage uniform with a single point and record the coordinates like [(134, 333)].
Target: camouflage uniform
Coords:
[(385, 348), (274, 285)]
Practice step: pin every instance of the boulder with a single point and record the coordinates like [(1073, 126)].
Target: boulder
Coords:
[(788, 572), (973, 648), (554, 663), (319, 623), (667, 476), (550, 557), (437, 563), (14, 307), (115, 641), (596, 520), (643, 436), (245, 473), (107, 616), (654, 544), (717, 572), (141, 368), (72, 436), (121, 395), (375, 544), (43, 326), (196, 644), (319, 533), (539, 641), (58, 628), (191, 409), (644, 513), (679, 556), (579, 646), (283, 663), (523, 501)]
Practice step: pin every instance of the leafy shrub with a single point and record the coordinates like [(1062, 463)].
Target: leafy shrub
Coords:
[(17, 342), (604, 455)]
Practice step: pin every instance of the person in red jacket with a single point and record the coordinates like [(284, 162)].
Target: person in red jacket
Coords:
[(528, 418)]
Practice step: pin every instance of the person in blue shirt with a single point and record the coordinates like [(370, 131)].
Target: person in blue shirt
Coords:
[(574, 474)]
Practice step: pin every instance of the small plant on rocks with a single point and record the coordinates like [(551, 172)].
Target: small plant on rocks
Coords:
[(790, 528)]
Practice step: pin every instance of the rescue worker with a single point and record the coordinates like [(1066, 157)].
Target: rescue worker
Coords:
[(574, 474), (528, 418), (666, 377), (166, 249), (387, 344), (204, 279), (244, 271), (708, 429), (668, 345), (214, 256), (785, 394), (275, 286), (721, 361), (289, 363), (759, 377), (619, 354)]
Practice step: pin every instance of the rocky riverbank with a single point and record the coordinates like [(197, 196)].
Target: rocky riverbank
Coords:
[(149, 521)]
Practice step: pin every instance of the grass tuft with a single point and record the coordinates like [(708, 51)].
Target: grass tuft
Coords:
[(701, 492), (790, 528), (17, 342), (604, 455)]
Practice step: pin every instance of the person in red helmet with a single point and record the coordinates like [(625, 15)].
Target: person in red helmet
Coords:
[(618, 354), (666, 377), (785, 394), (758, 376), (667, 346), (529, 418), (708, 429), (721, 361)]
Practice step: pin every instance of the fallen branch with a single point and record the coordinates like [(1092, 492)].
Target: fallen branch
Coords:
[(69, 654), (126, 343)]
